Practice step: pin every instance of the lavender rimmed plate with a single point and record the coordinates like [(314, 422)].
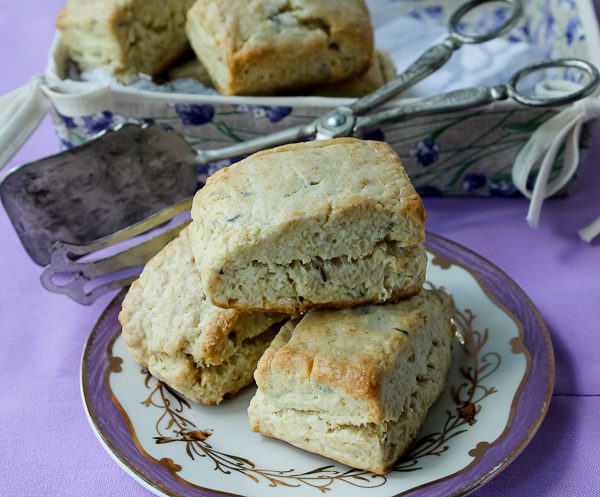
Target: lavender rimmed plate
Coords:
[(497, 394)]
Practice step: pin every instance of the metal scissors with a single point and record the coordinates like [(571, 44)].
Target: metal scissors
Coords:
[(58, 235)]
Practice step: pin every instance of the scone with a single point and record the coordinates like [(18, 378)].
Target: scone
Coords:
[(355, 384), (382, 71), (331, 223), (259, 47), (124, 37), (169, 327)]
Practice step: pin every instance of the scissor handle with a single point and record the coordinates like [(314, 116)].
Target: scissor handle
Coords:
[(475, 97), (577, 92), (445, 102), (516, 9)]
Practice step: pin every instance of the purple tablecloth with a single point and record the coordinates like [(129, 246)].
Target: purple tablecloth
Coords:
[(46, 445)]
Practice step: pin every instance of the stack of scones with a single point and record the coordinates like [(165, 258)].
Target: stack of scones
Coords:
[(303, 267)]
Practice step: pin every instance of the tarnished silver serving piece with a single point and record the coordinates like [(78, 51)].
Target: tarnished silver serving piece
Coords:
[(135, 178), (65, 258)]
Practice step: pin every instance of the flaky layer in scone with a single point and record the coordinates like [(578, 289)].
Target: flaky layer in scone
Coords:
[(200, 350), (260, 47), (331, 223), (124, 37), (355, 384)]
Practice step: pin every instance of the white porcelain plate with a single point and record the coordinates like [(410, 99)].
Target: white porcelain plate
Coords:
[(497, 393)]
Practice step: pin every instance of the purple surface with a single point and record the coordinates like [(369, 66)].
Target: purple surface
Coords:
[(46, 445)]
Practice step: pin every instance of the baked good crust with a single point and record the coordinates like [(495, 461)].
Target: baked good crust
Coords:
[(124, 37), (224, 190), (168, 325), (265, 46), (347, 387), (332, 202), (365, 354), (362, 446)]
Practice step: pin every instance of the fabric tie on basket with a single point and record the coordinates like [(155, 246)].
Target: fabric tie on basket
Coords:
[(22, 110), (544, 145)]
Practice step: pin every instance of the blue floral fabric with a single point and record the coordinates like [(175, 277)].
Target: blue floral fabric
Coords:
[(195, 115), (426, 152), (273, 114)]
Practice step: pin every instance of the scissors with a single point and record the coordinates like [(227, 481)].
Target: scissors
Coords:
[(135, 178)]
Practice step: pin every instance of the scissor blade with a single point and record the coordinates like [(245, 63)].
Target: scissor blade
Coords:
[(290, 135)]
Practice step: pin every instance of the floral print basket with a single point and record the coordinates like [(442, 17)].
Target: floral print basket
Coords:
[(467, 153)]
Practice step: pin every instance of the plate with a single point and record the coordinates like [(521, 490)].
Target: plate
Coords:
[(498, 391)]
